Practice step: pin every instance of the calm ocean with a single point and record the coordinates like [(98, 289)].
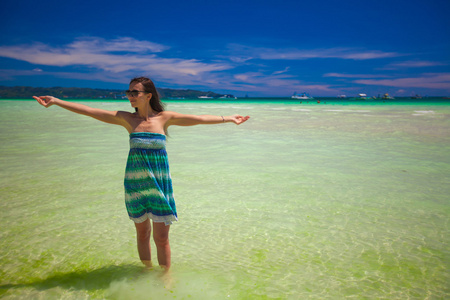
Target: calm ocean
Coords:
[(315, 200)]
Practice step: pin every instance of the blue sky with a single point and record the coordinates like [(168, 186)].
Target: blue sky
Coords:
[(259, 48)]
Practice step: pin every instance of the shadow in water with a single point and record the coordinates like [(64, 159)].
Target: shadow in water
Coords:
[(82, 280)]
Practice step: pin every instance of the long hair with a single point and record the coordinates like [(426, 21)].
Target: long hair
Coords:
[(149, 87)]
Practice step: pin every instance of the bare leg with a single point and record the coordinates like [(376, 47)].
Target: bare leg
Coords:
[(143, 231), (161, 238)]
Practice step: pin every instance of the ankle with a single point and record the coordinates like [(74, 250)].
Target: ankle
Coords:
[(147, 263)]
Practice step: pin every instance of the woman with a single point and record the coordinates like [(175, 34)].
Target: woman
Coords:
[(148, 185)]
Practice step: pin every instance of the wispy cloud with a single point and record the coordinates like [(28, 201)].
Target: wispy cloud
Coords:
[(119, 59), (260, 79), (241, 53), (281, 71), (429, 80), (418, 64), (412, 64), (8, 74), (343, 75), (122, 44), (341, 53), (275, 84), (123, 55)]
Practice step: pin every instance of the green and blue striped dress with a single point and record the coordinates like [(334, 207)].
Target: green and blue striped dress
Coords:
[(148, 184)]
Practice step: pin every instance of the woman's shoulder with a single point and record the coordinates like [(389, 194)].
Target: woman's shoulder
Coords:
[(126, 113), (167, 113), (172, 113)]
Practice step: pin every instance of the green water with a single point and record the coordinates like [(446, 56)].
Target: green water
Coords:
[(303, 201)]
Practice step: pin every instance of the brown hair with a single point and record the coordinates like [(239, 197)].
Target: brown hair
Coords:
[(149, 87)]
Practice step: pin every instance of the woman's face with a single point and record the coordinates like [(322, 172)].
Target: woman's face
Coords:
[(138, 96)]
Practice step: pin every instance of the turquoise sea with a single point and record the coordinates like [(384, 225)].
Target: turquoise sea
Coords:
[(330, 200)]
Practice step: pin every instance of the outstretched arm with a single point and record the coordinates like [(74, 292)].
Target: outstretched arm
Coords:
[(112, 117), (190, 120)]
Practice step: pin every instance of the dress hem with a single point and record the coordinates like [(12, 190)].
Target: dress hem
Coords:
[(167, 220)]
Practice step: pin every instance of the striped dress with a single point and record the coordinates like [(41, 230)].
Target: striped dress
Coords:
[(148, 185)]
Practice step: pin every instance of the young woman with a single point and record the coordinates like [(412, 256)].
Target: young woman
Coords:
[(148, 185)]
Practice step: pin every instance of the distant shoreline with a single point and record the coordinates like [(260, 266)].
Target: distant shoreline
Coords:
[(25, 92), (74, 93)]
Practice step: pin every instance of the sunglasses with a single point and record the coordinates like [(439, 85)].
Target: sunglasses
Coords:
[(134, 93)]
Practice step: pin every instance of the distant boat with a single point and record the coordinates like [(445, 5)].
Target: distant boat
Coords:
[(342, 96), (387, 97), (303, 96), (205, 97), (417, 96), (362, 97), (228, 97)]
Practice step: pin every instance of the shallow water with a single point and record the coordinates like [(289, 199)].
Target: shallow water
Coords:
[(303, 201)]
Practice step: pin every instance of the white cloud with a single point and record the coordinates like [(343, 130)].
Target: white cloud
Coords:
[(120, 59), (275, 84), (341, 53), (8, 74), (124, 55), (281, 72), (245, 53), (341, 75), (261, 79), (122, 44), (414, 64)]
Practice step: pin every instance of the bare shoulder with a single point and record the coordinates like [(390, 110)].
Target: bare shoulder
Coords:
[(168, 115), (173, 114), (125, 114)]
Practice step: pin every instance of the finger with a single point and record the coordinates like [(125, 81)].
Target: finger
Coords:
[(42, 100), (38, 99), (243, 119)]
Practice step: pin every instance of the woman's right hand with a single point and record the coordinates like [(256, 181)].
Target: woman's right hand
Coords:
[(46, 101)]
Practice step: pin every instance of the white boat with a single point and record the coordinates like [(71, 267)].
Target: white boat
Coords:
[(362, 97), (303, 96), (205, 97), (228, 97)]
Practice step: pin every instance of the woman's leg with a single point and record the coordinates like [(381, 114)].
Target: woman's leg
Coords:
[(143, 231), (161, 238)]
